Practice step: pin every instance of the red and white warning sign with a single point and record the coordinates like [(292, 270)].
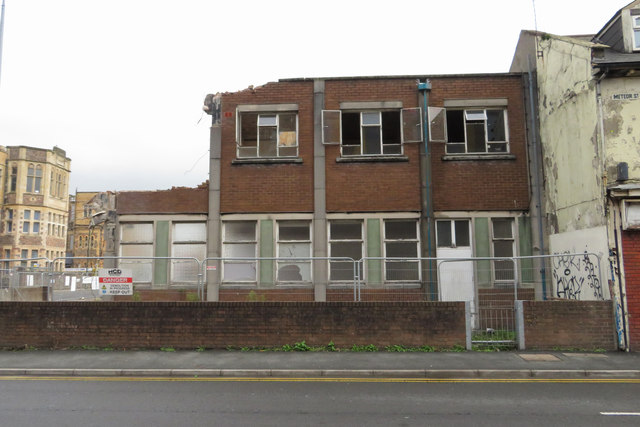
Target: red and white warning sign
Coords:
[(115, 281)]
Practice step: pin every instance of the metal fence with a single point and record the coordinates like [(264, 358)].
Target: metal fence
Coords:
[(486, 282)]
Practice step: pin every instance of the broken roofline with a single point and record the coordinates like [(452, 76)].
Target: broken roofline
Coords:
[(406, 76)]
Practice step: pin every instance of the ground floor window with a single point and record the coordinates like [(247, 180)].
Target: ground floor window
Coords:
[(294, 241), (240, 246), (503, 245), (188, 240), (345, 240), (401, 248), (136, 241)]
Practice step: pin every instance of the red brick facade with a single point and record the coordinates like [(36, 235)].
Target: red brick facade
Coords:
[(254, 188), (631, 253), (463, 185), (379, 186)]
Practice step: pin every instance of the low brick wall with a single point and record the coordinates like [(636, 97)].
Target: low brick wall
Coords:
[(569, 324), (221, 324)]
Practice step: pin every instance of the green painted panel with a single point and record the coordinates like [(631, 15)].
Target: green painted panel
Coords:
[(374, 249), (525, 248), (160, 270), (482, 249), (266, 251)]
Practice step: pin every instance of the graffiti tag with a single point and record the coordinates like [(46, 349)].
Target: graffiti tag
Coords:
[(573, 274)]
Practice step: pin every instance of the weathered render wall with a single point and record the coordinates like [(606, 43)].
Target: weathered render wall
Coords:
[(580, 277), (570, 136), (621, 110)]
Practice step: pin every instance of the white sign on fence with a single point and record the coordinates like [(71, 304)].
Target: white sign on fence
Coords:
[(115, 281)]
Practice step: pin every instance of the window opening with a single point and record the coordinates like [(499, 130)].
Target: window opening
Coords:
[(294, 241), (189, 239), (136, 240), (452, 233), (503, 246), (345, 240), (401, 242), (240, 241), (268, 135), (476, 131)]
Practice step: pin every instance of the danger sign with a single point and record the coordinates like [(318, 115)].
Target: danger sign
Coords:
[(114, 281)]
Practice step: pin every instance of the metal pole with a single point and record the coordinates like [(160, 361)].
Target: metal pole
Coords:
[(1, 35)]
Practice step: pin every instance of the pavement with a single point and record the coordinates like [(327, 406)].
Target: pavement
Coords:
[(344, 364)]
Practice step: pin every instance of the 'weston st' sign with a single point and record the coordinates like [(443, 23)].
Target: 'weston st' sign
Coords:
[(114, 281)]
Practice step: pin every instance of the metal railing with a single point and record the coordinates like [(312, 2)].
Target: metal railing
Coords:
[(565, 276)]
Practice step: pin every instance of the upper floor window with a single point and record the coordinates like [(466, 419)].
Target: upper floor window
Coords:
[(34, 178), (476, 131), (13, 179), (267, 134), (371, 132), (9, 223), (636, 31)]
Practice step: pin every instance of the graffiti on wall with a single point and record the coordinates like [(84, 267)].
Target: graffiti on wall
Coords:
[(576, 277)]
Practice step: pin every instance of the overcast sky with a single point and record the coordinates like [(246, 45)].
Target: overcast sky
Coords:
[(120, 84)]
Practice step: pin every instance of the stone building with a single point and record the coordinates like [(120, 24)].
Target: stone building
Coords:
[(35, 198)]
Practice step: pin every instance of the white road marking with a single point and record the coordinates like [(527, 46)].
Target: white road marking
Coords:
[(623, 414)]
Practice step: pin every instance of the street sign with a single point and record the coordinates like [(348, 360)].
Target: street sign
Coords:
[(115, 281)]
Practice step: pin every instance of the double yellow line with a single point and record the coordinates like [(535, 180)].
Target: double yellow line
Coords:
[(325, 379)]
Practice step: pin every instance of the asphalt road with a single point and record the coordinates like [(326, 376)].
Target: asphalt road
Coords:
[(271, 402)]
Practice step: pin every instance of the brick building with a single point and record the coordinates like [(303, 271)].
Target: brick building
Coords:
[(351, 168), (160, 224)]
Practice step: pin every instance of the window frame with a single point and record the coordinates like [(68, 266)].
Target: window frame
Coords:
[(453, 232), (186, 242), (280, 242), (481, 116), (135, 265), (331, 241), (635, 29), (266, 113), (332, 129), (494, 240), (228, 243), (388, 262)]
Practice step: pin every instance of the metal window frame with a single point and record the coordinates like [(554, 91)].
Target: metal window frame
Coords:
[(452, 227), (259, 113), (385, 240), (309, 223), (362, 241), (255, 251), (362, 125), (514, 248), (486, 133)]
